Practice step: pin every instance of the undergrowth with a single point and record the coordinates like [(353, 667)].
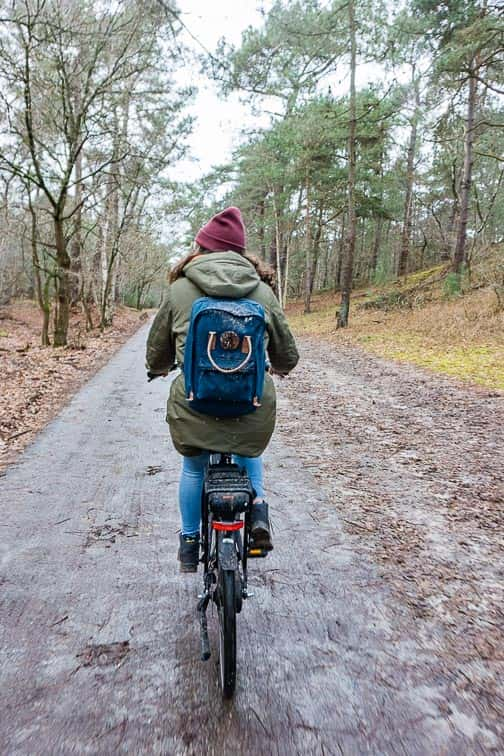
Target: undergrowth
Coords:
[(457, 333)]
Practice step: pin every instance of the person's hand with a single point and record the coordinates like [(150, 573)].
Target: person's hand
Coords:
[(152, 376), (277, 372)]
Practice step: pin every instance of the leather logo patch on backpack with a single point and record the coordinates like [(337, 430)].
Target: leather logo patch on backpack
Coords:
[(229, 340)]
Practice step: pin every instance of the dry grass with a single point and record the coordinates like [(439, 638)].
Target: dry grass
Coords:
[(462, 337)]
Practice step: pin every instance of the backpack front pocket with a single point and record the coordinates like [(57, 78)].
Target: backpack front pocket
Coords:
[(239, 386)]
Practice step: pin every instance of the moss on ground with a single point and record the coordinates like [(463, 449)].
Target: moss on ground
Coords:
[(477, 363), (462, 337), (409, 291)]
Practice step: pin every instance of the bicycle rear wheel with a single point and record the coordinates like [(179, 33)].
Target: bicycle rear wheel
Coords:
[(227, 631)]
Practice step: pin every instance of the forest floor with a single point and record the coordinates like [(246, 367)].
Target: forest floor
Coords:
[(377, 622), (37, 381), (414, 464), (417, 320)]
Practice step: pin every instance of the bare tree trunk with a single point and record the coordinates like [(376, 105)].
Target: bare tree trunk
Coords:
[(316, 251), (76, 246), (62, 313), (308, 265), (109, 260), (279, 276), (41, 289), (272, 251), (448, 240), (286, 273), (347, 267), (402, 264), (111, 237), (341, 252), (104, 246), (278, 249), (376, 244), (86, 305), (425, 243), (459, 256), (262, 239), (277, 242), (327, 257), (288, 243)]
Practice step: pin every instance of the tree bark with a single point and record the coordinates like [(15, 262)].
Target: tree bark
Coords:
[(375, 252), (316, 251), (262, 239), (278, 242), (111, 236), (341, 253), (376, 244), (286, 273), (329, 248), (347, 267), (308, 264), (402, 265), (75, 247), (272, 251), (42, 289), (62, 313), (459, 256)]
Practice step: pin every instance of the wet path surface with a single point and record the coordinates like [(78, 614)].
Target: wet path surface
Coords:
[(98, 631)]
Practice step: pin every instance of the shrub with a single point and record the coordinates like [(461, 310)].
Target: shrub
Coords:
[(452, 285)]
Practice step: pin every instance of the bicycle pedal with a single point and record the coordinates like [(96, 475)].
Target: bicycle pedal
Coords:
[(254, 553)]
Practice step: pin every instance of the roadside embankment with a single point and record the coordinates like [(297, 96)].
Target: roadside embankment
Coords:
[(418, 320), (37, 381)]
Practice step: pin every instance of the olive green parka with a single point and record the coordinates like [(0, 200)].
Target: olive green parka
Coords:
[(218, 274)]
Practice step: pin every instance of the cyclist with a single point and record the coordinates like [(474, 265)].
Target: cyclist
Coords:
[(218, 267)]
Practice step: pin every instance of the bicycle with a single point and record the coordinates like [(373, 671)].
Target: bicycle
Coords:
[(227, 497), (226, 512)]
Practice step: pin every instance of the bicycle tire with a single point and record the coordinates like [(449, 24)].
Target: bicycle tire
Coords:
[(227, 632)]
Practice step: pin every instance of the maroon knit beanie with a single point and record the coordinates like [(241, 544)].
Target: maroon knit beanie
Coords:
[(225, 231)]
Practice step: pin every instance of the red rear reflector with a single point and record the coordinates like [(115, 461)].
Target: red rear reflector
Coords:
[(227, 525)]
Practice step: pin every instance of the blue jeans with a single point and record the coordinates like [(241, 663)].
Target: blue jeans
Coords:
[(191, 487)]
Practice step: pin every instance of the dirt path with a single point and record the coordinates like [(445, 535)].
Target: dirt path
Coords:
[(376, 622)]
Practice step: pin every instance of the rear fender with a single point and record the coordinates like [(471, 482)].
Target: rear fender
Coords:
[(226, 550)]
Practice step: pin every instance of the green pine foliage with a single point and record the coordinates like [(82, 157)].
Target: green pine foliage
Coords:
[(291, 178)]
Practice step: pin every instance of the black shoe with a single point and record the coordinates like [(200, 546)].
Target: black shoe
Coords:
[(260, 529), (188, 553)]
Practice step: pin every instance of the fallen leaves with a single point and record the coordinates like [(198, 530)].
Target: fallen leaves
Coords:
[(414, 466), (104, 654), (37, 381)]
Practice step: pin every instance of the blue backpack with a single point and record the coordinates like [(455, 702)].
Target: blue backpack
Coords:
[(224, 356)]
